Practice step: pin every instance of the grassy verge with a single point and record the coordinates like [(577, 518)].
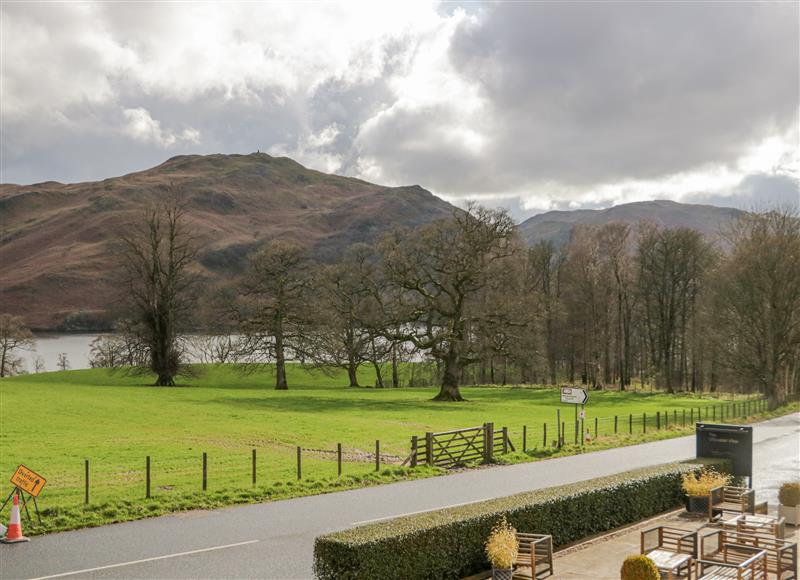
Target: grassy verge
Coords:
[(62, 518)]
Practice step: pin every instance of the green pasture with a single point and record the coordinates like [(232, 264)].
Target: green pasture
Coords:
[(53, 422)]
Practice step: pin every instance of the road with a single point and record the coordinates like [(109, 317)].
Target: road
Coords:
[(275, 540)]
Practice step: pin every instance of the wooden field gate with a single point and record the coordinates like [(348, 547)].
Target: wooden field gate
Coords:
[(458, 447)]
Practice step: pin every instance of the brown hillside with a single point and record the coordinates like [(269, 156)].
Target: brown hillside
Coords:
[(56, 244)]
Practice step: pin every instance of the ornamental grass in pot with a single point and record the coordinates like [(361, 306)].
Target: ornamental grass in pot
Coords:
[(501, 549), (789, 496), (697, 486)]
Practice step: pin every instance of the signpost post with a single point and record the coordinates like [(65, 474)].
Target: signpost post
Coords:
[(731, 442), (27, 481), (577, 397)]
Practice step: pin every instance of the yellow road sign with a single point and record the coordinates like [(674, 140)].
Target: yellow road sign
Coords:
[(28, 481)]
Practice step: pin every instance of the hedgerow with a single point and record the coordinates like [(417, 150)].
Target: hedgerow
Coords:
[(449, 543)]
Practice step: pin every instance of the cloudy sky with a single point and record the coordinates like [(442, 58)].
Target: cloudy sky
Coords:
[(534, 106)]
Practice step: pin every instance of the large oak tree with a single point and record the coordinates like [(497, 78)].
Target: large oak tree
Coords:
[(435, 275)]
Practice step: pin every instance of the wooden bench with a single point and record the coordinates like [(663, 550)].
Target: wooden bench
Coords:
[(726, 498), (780, 555), (534, 557), (671, 549), (737, 562)]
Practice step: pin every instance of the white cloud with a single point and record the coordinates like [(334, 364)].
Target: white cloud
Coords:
[(140, 126), (545, 104), (313, 150)]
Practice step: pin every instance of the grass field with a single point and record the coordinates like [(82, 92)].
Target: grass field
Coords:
[(52, 422)]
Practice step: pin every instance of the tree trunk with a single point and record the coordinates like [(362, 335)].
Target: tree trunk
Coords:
[(280, 365), (451, 378), (352, 373), (395, 371), (378, 375), (165, 380)]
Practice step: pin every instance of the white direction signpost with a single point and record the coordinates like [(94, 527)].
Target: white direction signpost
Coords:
[(574, 395)]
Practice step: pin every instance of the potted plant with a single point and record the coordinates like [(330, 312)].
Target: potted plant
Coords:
[(789, 496), (639, 568), (697, 487), (501, 549)]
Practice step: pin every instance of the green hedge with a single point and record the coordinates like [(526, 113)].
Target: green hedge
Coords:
[(448, 543)]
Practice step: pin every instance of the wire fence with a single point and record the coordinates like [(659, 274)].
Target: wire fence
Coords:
[(96, 480)]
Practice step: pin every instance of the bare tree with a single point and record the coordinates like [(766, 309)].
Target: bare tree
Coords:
[(157, 255), (544, 266), (273, 309), (63, 362), (671, 266), (14, 337), (38, 364), (346, 310), (117, 350), (758, 301), (434, 274)]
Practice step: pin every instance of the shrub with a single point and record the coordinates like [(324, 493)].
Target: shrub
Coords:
[(639, 568), (789, 495), (450, 543), (699, 484), (502, 545)]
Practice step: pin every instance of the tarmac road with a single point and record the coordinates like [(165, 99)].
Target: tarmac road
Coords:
[(275, 540)]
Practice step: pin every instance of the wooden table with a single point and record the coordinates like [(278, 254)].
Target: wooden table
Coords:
[(671, 563), (758, 521)]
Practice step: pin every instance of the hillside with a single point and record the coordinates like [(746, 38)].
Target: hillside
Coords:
[(555, 226), (56, 243)]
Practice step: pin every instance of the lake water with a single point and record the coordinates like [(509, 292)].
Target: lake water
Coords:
[(48, 346), (75, 346)]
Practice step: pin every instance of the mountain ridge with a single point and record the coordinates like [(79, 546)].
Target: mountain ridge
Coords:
[(56, 242), (556, 226)]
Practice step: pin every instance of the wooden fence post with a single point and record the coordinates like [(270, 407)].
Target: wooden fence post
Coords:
[(658, 420), (559, 428), (505, 440), (644, 422), (563, 436), (429, 448), (544, 434), (339, 459), (254, 466), (147, 477), (377, 455), (675, 417), (524, 438), (86, 480), (205, 471), (489, 442), (630, 423), (413, 451), (615, 424), (299, 464), (596, 429), (691, 415)]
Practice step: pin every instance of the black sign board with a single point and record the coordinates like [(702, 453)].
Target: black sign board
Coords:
[(731, 442)]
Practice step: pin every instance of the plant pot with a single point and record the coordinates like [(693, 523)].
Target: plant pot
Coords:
[(697, 504), (502, 573), (791, 513)]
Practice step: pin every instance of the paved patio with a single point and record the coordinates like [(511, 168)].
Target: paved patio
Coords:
[(601, 558)]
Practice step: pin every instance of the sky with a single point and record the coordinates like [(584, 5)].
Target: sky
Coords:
[(527, 105)]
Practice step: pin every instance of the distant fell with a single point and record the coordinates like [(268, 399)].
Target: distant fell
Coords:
[(555, 226), (56, 240)]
